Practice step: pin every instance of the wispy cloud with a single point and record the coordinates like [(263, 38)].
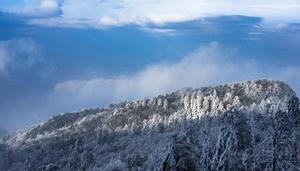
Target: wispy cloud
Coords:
[(103, 13), (19, 55), (164, 31), (34, 8), (208, 65), (159, 12), (49, 6)]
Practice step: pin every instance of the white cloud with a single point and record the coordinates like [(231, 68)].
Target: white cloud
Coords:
[(19, 55), (163, 31), (35, 8), (208, 65), (63, 23), (49, 6), (103, 13)]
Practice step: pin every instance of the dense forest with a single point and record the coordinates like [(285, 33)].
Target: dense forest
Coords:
[(252, 125)]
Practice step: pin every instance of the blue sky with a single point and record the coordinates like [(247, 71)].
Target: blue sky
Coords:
[(65, 55)]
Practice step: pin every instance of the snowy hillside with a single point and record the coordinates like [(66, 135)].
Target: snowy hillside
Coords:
[(252, 125)]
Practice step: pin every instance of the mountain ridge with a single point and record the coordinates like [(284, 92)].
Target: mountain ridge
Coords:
[(164, 115)]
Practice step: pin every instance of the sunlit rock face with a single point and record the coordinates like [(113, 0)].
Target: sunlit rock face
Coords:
[(252, 125)]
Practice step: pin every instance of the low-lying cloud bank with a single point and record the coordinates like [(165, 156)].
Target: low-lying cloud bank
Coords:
[(208, 65)]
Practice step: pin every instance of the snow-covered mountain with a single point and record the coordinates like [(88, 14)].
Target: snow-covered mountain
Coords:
[(252, 125)]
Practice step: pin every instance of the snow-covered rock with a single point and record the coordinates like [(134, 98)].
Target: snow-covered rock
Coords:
[(252, 125)]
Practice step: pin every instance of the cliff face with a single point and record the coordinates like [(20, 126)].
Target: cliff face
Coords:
[(252, 125)]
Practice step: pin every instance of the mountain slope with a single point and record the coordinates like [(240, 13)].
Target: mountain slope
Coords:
[(252, 125)]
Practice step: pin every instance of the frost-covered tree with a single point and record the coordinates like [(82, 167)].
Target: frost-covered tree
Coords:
[(115, 165), (252, 125), (4, 156), (233, 149)]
